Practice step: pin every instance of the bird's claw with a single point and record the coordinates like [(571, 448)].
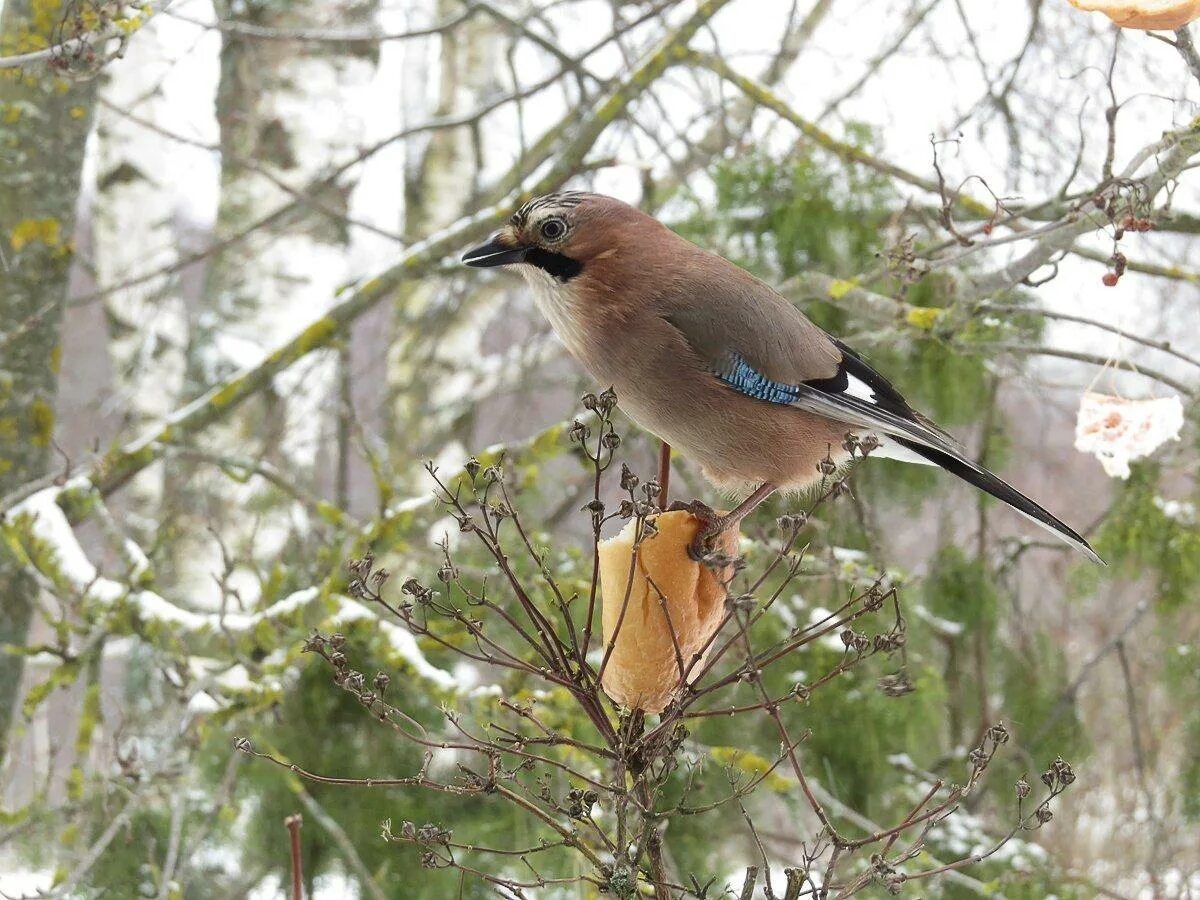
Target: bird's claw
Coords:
[(711, 524), (698, 510), (699, 548)]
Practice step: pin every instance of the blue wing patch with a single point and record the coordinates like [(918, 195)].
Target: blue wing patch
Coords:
[(744, 378)]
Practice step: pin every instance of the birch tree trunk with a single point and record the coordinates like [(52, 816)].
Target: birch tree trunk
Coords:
[(440, 178), (267, 141)]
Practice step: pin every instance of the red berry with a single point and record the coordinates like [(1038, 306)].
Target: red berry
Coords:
[(1110, 279)]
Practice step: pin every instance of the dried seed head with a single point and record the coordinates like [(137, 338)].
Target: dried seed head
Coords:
[(361, 567), (855, 640), (873, 598), (897, 684), (423, 595), (742, 602), (315, 643), (629, 481), (1062, 771)]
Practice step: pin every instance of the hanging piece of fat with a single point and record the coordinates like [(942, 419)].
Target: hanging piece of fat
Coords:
[(669, 594), (1145, 15)]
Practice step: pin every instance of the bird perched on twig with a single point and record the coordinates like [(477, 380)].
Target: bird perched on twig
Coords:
[(712, 360)]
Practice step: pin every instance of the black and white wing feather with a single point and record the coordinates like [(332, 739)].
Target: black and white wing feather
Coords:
[(854, 394)]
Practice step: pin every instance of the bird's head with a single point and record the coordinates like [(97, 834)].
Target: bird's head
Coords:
[(555, 238)]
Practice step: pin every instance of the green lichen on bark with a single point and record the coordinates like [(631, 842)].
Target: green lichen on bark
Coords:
[(41, 153)]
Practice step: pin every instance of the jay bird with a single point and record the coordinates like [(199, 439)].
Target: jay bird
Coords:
[(713, 361)]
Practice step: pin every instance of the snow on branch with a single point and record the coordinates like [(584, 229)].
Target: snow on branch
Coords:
[(47, 523)]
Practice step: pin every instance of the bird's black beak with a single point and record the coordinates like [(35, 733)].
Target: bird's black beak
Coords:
[(498, 251)]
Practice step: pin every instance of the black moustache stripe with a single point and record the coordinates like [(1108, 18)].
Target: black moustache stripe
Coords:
[(562, 268)]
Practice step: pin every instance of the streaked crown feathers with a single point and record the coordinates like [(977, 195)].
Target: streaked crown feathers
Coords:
[(560, 200)]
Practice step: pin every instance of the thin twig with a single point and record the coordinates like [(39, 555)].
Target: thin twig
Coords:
[(292, 823)]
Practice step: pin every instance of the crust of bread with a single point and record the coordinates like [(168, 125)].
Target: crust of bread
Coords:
[(643, 671), (1146, 15)]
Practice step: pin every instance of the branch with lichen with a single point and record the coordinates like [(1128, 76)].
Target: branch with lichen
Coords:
[(85, 53), (1114, 201), (569, 141)]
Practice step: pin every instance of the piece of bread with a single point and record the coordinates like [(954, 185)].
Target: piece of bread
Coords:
[(1148, 15), (643, 671)]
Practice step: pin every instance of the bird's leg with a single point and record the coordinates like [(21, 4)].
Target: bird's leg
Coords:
[(713, 525), (664, 473)]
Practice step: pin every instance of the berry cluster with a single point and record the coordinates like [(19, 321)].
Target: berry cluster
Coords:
[(1133, 223), (1119, 262)]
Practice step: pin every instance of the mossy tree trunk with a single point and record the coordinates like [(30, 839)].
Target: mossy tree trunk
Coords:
[(44, 123)]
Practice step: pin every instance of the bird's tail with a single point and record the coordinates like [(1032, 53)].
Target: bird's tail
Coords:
[(1001, 490)]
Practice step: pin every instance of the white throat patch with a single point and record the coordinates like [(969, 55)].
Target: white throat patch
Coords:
[(558, 302)]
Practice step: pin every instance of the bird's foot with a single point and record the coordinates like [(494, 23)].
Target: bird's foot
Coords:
[(696, 508), (711, 525)]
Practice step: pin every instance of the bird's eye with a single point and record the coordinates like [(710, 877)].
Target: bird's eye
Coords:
[(553, 229)]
